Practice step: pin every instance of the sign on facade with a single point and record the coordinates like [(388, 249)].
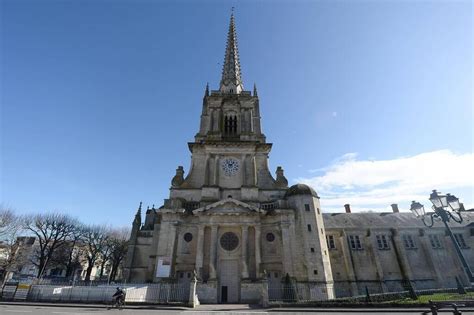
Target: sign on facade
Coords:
[(22, 291), (57, 290), (163, 268)]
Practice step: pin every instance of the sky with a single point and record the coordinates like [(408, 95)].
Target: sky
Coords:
[(370, 102)]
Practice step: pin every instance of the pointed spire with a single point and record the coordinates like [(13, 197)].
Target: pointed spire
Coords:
[(255, 90), (231, 81), (139, 210), (138, 216), (207, 90)]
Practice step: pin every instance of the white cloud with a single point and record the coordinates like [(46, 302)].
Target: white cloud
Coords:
[(375, 184)]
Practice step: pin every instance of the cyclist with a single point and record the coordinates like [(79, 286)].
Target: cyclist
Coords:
[(119, 297)]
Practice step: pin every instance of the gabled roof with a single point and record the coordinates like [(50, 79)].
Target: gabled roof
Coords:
[(228, 206)]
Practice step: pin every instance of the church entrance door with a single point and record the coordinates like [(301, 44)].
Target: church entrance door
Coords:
[(229, 281)]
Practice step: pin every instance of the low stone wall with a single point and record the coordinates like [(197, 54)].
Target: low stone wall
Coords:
[(160, 293), (250, 292), (207, 292)]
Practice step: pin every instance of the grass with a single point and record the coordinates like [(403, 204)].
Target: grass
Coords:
[(437, 297)]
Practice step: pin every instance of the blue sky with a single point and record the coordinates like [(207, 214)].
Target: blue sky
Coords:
[(369, 101)]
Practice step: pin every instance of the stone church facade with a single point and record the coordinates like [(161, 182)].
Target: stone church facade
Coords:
[(235, 225)]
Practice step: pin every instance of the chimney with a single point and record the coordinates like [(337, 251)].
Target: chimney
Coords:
[(395, 208), (348, 208)]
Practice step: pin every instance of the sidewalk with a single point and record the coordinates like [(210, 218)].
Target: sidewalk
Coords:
[(85, 305), (237, 307)]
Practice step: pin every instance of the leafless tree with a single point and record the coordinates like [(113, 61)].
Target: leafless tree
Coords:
[(11, 256), (68, 254), (51, 230), (9, 223), (105, 253), (95, 239), (118, 244)]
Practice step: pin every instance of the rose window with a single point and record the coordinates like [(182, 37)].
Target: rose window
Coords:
[(229, 241)]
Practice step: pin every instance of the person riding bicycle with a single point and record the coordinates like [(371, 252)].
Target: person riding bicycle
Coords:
[(119, 295)]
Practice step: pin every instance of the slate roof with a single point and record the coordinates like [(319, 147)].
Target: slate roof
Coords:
[(384, 220)]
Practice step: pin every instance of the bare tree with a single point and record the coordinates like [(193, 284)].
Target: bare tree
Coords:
[(11, 257), (95, 239), (68, 254), (118, 244), (9, 223), (105, 253), (51, 230)]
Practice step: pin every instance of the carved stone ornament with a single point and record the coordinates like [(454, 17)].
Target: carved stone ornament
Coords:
[(281, 180), (178, 179)]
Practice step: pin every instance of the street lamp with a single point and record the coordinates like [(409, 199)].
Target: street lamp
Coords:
[(446, 208)]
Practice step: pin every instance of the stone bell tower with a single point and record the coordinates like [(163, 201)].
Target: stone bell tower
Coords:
[(229, 154), (227, 219), (231, 113)]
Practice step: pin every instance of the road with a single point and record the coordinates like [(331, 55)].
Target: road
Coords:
[(206, 309)]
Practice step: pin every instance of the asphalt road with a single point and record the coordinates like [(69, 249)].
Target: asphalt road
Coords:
[(214, 310)]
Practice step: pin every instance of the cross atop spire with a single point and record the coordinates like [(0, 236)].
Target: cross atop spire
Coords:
[(231, 81)]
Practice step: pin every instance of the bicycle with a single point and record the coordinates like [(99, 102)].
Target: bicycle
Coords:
[(117, 303)]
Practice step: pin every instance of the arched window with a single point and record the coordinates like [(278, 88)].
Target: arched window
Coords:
[(230, 124)]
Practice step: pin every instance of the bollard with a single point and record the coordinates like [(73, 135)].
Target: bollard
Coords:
[(193, 298), (264, 293)]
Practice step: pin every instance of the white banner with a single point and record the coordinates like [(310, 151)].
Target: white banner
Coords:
[(163, 268)]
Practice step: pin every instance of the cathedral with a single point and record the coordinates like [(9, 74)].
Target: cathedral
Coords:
[(233, 224)]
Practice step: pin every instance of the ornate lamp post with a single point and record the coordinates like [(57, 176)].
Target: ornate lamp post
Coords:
[(446, 208)]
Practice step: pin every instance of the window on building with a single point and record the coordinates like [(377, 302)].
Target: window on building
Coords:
[(270, 237), (56, 272), (317, 209), (188, 237), (315, 272), (309, 227), (354, 242), (312, 249), (408, 241), (306, 207), (382, 241), (331, 242), (230, 125), (435, 242), (460, 240)]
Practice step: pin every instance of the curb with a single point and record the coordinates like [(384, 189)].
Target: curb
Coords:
[(104, 306), (366, 311), (305, 309)]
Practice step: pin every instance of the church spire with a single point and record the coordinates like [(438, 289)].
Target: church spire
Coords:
[(231, 81)]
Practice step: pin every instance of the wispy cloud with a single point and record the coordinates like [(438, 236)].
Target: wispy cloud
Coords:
[(375, 184)]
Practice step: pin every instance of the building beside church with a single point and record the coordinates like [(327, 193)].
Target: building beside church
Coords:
[(235, 225)]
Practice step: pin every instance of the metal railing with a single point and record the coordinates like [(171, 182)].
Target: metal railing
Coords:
[(159, 293), (320, 293)]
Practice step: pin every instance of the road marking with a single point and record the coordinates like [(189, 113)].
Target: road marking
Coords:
[(227, 312)]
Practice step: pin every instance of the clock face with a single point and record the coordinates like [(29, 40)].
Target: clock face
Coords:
[(230, 166)]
